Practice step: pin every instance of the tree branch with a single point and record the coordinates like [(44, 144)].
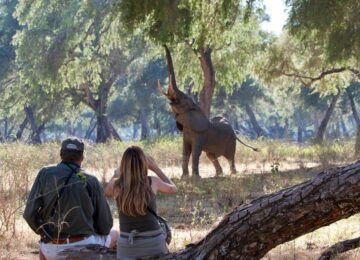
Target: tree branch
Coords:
[(89, 96), (323, 74), (249, 230), (339, 248)]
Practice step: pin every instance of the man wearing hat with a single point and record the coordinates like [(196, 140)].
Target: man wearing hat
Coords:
[(67, 206)]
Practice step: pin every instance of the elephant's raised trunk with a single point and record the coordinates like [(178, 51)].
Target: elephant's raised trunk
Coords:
[(172, 79)]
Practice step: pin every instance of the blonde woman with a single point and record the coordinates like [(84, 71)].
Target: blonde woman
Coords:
[(134, 192)]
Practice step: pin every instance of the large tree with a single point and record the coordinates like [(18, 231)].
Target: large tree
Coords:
[(23, 105), (61, 47), (333, 26), (208, 36)]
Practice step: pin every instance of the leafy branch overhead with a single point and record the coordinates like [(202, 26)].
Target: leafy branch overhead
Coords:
[(291, 62), (332, 24)]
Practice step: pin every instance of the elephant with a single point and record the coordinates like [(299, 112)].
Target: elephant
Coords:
[(216, 137)]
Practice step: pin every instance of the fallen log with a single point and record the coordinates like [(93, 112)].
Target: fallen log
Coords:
[(251, 230)]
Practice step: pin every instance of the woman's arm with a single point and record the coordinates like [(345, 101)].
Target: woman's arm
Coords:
[(163, 183), (109, 189)]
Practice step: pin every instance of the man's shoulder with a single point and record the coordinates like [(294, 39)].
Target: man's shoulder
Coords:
[(55, 165), (49, 167), (91, 178)]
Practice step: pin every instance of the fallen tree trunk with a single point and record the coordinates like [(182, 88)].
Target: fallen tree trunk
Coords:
[(339, 248), (251, 230)]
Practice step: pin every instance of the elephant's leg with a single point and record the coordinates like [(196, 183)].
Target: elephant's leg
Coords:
[(230, 156), (186, 158), (196, 152), (231, 159), (232, 166), (216, 163)]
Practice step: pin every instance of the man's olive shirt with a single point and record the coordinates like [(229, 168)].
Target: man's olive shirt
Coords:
[(82, 207)]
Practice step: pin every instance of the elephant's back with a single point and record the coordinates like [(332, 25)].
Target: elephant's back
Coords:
[(220, 138), (223, 129)]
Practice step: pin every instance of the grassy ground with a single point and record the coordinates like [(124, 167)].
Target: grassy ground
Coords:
[(198, 206)]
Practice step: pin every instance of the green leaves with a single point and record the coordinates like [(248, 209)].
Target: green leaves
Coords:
[(193, 26), (51, 35), (334, 24), (162, 21)]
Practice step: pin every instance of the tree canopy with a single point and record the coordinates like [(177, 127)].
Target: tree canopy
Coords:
[(333, 24), (102, 58)]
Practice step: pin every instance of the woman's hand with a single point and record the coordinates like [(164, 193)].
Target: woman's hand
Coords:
[(109, 189), (163, 183)]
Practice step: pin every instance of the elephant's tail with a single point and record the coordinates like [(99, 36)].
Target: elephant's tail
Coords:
[(255, 149)]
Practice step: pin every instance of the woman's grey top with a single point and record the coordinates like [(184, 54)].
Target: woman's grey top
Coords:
[(140, 223)]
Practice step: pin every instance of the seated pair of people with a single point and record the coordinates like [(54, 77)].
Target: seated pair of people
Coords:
[(68, 208)]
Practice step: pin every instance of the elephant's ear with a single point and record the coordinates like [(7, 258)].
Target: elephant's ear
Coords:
[(193, 119)]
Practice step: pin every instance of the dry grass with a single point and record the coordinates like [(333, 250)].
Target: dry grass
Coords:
[(198, 206), (311, 245)]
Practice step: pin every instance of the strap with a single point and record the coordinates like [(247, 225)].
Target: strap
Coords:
[(62, 188), (152, 212), (148, 208)]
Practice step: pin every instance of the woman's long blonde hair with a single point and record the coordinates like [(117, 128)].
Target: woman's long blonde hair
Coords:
[(132, 189)]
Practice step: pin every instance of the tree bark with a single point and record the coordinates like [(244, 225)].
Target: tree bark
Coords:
[(286, 129), (8, 137), (337, 131), (145, 130), (251, 230), (135, 130), (300, 129), (258, 130), (344, 128), (157, 124), (5, 128), (35, 129), (90, 129), (277, 128), (104, 129), (322, 128), (357, 120), (316, 115), (339, 248), (207, 91), (22, 126)]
